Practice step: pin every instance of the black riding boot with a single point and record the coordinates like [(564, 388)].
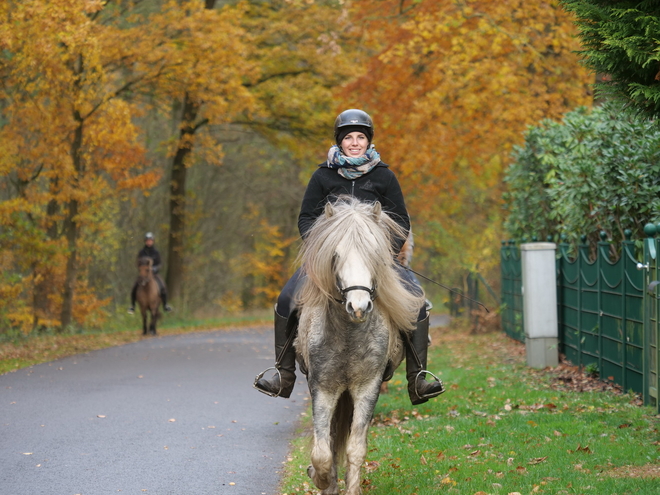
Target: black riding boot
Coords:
[(163, 293), (131, 309), (163, 297), (417, 343), (281, 384)]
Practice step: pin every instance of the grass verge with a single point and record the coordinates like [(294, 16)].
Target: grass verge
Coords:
[(501, 428), (23, 351)]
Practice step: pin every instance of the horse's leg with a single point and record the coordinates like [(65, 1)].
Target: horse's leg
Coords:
[(322, 471), (144, 320), (356, 448), (154, 320)]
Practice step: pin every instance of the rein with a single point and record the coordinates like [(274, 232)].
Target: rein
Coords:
[(450, 290)]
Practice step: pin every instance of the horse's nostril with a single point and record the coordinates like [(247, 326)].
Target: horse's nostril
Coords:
[(370, 306)]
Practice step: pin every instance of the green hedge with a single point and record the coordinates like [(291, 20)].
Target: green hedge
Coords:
[(597, 170)]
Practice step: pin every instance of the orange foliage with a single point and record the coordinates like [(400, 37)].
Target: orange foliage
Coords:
[(69, 143), (267, 262), (452, 86)]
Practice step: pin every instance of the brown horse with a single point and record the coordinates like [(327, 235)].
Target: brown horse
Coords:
[(148, 295)]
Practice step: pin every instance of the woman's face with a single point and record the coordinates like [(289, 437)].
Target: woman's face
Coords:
[(355, 144)]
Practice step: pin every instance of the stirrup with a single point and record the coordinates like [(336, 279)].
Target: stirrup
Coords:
[(442, 386), (261, 375)]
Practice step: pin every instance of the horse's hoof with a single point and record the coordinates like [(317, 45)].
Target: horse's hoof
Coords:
[(321, 483)]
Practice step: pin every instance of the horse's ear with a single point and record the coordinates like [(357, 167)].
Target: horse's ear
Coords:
[(378, 209), (329, 210)]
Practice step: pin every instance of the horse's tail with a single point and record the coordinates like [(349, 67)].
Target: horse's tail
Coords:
[(341, 425)]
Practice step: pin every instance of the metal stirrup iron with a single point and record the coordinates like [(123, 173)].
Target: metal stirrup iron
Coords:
[(442, 385), (278, 360), (261, 375)]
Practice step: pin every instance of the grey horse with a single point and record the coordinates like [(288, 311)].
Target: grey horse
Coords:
[(354, 306)]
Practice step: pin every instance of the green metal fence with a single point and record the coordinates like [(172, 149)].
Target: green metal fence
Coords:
[(512, 307), (600, 312), (607, 319)]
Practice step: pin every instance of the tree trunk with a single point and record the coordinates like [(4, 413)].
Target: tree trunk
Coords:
[(71, 230), (43, 285), (175, 250)]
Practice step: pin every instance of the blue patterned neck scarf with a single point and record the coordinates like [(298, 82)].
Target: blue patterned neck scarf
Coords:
[(351, 168)]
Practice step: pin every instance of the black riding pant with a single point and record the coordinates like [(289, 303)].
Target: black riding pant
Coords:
[(286, 299)]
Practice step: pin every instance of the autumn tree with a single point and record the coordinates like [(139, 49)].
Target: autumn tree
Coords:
[(452, 86), (206, 83), (272, 70), (69, 137)]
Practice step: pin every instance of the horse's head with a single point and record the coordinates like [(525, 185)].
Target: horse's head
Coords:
[(145, 270), (354, 266), (348, 258)]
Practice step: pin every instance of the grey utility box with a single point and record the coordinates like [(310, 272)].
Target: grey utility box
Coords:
[(539, 290)]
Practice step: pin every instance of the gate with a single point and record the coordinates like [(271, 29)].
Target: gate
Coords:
[(651, 270)]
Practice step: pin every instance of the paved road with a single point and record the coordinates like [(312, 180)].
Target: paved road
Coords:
[(172, 415)]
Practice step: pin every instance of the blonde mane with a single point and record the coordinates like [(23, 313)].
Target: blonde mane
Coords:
[(371, 232)]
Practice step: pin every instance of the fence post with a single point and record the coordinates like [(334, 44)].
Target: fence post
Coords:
[(540, 303)]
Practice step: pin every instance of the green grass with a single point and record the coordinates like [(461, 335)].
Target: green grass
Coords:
[(501, 428), (19, 351)]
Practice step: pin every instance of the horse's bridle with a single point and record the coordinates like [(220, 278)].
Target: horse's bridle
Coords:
[(343, 292)]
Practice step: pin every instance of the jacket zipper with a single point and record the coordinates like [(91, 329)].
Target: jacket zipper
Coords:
[(353, 188)]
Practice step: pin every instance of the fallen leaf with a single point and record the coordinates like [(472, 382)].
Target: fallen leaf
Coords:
[(537, 460), (423, 460)]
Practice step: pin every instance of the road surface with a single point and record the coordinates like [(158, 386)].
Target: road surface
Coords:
[(172, 415)]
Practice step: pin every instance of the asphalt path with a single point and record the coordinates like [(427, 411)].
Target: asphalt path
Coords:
[(174, 415), (166, 415)]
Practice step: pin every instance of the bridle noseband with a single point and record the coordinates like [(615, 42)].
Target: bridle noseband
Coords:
[(343, 292)]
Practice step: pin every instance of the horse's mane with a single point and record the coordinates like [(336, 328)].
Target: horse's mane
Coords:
[(371, 233)]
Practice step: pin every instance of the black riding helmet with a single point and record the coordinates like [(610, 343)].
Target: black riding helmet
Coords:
[(149, 235), (353, 120)]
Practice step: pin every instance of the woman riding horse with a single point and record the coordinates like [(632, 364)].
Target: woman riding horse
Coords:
[(150, 251), (353, 167)]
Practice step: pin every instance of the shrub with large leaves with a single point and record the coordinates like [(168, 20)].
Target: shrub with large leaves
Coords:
[(595, 171)]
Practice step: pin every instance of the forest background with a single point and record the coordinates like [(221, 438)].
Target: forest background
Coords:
[(202, 120)]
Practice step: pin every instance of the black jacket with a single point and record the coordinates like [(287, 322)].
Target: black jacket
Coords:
[(151, 252), (379, 184)]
